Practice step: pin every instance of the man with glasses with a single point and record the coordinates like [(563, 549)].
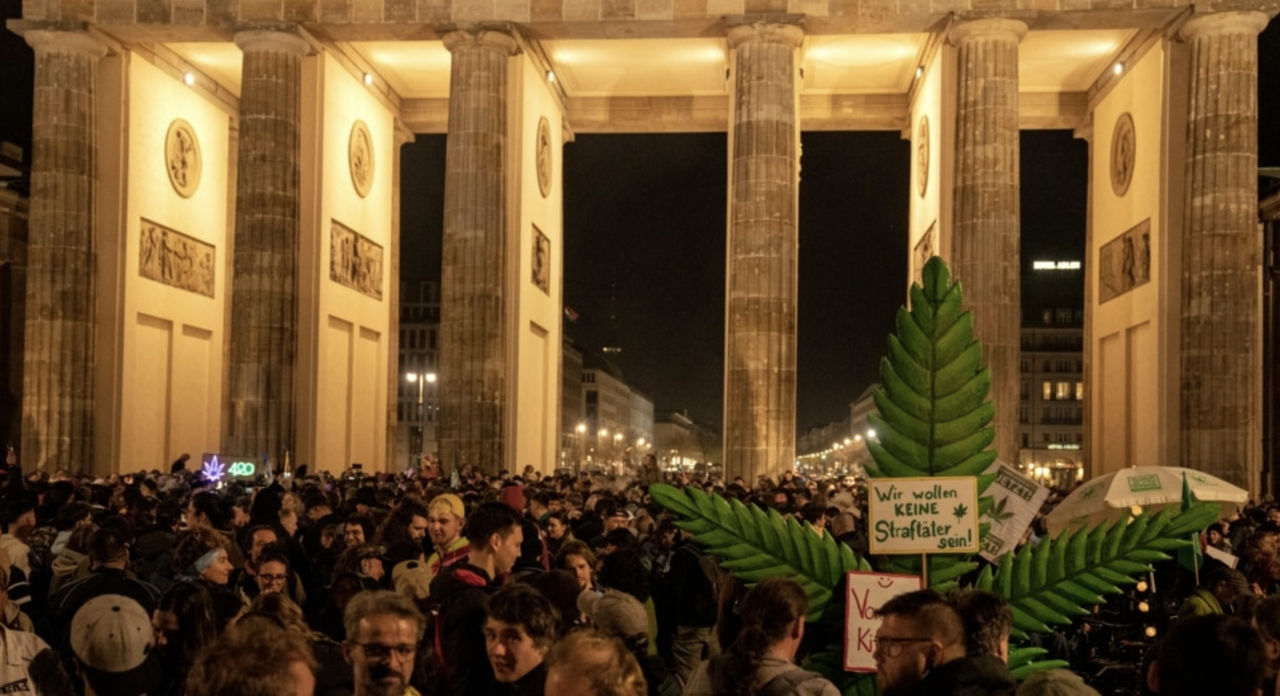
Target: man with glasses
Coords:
[(920, 651), (383, 631)]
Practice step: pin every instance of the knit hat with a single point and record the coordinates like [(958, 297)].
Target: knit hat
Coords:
[(1055, 682), (615, 613), (112, 638), (412, 578), (449, 502), (513, 496)]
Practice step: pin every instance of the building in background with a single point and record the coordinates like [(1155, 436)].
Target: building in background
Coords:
[(684, 444), (417, 402), (1052, 391)]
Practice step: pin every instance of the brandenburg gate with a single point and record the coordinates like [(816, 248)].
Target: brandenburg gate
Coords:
[(215, 242)]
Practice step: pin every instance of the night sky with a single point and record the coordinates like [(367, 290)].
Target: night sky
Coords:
[(645, 224)]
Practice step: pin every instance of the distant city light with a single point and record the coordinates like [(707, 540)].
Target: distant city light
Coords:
[(1055, 265)]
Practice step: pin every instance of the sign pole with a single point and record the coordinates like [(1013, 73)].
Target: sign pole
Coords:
[(924, 569)]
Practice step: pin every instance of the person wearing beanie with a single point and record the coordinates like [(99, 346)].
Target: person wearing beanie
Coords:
[(533, 551), (622, 616), (446, 519)]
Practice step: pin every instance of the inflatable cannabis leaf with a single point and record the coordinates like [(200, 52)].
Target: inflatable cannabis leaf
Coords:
[(933, 421)]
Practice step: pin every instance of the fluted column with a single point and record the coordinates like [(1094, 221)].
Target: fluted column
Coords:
[(58, 358), (473, 355), (763, 243), (264, 295), (985, 228), (1221, 249)]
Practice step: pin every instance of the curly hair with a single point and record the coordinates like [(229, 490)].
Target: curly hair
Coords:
[(396, 526), (195, 543), (603, 661), (250, 659)]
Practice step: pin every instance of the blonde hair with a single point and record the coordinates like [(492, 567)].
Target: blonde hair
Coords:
[(602, 660), (251, 658)]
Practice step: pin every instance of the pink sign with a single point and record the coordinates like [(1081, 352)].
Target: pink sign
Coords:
[(866, 593)]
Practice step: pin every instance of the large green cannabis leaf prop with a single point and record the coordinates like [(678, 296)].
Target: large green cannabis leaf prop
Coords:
[(754, 544), (1051, 582), (933, 412), (933, 421)]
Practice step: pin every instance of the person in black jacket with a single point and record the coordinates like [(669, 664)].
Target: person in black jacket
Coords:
[(691, 594), (460, 590)]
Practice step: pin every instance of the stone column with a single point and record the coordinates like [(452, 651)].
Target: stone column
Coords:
[(58, 359), (763, 244), (264, 294), (1221, 249), (986, 224), (473, 292)]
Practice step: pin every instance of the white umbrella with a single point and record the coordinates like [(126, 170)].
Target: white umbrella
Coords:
[(1111, 496)]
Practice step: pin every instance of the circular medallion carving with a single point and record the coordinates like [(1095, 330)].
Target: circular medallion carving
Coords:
[(1124, 149), (182, 157), (922, 155), (360, 158), (543, 156)]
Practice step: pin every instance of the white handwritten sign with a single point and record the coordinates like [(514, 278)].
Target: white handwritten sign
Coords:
[(924, 515), (866, 594)]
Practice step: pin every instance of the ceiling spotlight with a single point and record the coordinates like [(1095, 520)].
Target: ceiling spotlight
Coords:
[(551, 76), (1118, 68), (919, 71), (368, 78), (189, 78)]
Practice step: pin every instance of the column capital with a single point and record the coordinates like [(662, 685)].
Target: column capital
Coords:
[(787, 29), (1243, 22), (271, 39), (987, 28), (65, 36), (501, 39)]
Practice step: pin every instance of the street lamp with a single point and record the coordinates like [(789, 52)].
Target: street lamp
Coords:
[(421, 379)]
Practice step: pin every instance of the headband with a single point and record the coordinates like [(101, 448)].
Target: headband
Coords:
[(206, 560)]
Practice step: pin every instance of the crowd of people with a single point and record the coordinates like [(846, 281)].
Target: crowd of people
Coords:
[(571, 584)]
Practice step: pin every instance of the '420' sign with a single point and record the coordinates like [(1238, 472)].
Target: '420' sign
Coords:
[(213, 469)]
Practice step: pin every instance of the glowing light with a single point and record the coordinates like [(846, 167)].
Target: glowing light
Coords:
[(189, 78), (1055, 265), (919, 72), (1135, 510), (1149, 631), (213, 471), (1142, 586), (431, 378), (1118, 68), (582, 428), (242, 469), (604, 432), (551, 76), (871, 433), (412, 377), (368, 78), (1144, 607)]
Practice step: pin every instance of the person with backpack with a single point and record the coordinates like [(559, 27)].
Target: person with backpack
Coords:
[(761, 660), (693, 587)]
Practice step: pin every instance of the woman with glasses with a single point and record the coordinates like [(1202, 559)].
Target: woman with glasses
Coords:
[(761, 660)]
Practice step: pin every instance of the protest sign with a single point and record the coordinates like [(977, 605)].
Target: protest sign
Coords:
[(1016, 500), (867, 592), (928, 514)]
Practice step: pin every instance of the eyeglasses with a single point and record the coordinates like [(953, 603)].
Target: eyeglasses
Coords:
[(893, 647), (378, 651), (272, 578)]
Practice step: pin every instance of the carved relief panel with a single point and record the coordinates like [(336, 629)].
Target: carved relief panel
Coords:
[(355, 260), (173, 258), (1125, 262)]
